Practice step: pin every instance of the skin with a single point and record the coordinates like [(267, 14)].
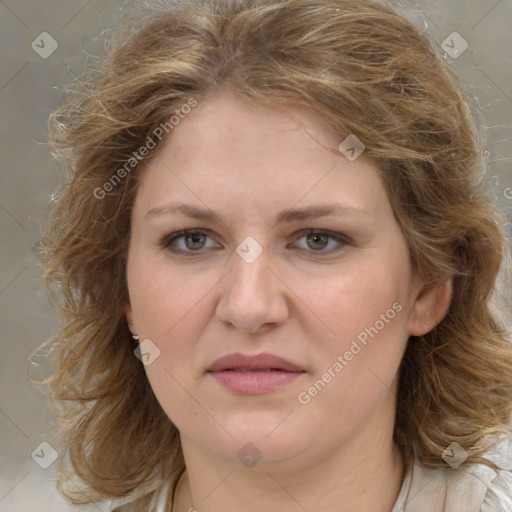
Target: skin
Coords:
[(247, 163)]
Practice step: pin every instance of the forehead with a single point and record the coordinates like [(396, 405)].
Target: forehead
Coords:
[(226, 119), (227, 148)]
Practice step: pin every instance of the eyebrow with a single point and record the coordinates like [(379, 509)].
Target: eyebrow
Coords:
[(285, 216)]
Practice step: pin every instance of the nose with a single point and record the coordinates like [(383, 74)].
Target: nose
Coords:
[(252, 296)]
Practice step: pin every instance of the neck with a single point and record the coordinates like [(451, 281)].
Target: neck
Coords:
[(365, 474)]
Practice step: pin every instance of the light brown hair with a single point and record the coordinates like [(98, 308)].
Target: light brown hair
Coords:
[(368, 72)]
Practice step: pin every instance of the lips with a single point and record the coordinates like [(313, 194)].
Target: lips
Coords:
[(254, 375), (260, 362)]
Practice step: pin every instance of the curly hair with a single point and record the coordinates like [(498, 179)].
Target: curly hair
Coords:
[(367, 71)]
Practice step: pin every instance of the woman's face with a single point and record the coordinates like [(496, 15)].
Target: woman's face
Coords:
[(269, 271)]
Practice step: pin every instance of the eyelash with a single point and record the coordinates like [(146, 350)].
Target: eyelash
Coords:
[(338, 237)]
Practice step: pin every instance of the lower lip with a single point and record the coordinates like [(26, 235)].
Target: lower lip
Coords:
[(255, 382)]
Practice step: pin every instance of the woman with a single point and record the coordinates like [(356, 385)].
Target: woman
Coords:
[(275, 267)]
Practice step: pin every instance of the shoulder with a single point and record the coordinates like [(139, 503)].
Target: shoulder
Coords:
[(499, 493), (464, 487)]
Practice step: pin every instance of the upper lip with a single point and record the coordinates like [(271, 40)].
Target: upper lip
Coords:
[(263, 361)]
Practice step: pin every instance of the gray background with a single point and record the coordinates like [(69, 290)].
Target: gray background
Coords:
[(30, 88)]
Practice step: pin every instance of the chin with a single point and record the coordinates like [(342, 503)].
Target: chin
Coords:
[(270, 440)]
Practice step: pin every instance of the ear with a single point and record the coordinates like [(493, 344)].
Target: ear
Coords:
[(430, 306), (128, 313)]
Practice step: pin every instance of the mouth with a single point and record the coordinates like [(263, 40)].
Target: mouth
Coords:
[(254, 375)]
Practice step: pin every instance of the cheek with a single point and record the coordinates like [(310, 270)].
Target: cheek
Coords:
[(169, 308), (372, 292), (164, 298), (357, 368), (366, 311)]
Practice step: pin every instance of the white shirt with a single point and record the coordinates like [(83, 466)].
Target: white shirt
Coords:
[(467, 488)]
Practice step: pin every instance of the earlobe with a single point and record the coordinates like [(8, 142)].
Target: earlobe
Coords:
[(128, 313), (430, 307)]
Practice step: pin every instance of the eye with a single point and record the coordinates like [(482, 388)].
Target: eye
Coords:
[(188, 241), (196, 241), (325, 242)]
